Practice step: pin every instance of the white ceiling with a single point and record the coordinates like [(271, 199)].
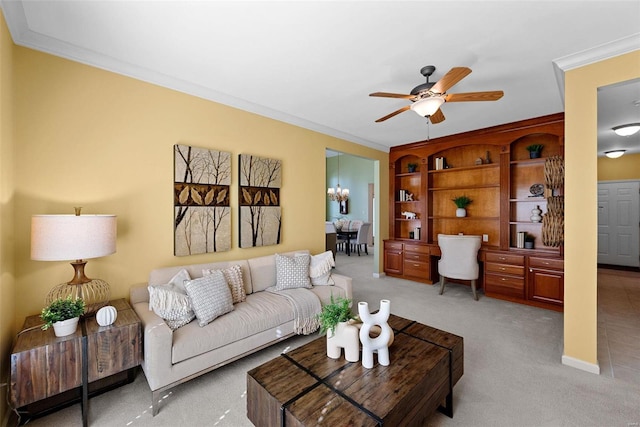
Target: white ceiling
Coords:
[(313, 63)]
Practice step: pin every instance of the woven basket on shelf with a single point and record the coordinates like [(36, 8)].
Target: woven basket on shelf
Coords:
[(553, 230), (554, 172)]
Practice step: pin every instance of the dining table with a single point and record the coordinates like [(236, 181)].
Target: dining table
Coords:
[(346, 236)]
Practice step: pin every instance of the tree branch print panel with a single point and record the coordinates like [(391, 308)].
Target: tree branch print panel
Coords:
[(260, 215), (201, 200)]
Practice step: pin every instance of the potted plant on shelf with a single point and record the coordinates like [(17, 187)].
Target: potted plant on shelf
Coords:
[(63, 314), (412, 167), (534, 150), (461, 203)]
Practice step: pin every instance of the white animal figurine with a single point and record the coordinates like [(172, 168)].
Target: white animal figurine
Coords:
[(409, 215)]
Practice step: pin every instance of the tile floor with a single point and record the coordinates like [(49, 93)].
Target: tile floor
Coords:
[(619, 323)]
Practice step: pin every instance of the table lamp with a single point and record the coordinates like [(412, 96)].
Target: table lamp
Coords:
[(75, 237)]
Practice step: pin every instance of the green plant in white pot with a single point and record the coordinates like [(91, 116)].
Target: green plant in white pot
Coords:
[(461, 203), (63, 314), (336, 320)]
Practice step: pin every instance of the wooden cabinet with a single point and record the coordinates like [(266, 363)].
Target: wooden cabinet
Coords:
[(46, 367), (493, 168), (504, 275), (393, 258), (405, 259), (546, 280)]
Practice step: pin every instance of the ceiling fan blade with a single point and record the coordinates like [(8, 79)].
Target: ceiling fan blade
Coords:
[(392, 95), (437, 117), (474, 96), (452, 77), (395, 113)]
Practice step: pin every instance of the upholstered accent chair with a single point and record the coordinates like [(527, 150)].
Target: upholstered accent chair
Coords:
[(459, 259)]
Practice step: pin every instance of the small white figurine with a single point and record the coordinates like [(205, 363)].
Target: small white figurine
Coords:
[(409, 215)]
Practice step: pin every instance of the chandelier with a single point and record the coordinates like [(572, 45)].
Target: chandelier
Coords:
[(338, 194)]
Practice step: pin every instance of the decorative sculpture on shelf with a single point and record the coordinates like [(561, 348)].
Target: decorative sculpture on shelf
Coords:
[(380, 344), (409, 215)]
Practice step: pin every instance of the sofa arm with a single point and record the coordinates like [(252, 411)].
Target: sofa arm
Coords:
[(343, 282), (158, 343)]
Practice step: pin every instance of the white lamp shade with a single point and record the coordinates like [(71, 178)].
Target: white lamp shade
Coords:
[(427, 106), (72, 237)]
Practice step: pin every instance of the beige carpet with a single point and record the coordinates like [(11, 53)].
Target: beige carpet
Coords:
[(513, 374)]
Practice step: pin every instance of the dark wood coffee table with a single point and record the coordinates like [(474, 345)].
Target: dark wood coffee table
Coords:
[(305, 387)]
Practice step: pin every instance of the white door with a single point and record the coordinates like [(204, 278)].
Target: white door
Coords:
[(619, 223)]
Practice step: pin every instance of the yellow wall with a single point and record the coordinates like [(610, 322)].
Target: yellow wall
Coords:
[(7, 282), (580, 286), (625, 167), (91, 138)]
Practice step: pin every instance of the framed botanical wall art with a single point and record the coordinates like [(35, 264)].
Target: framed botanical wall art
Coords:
[(260, 214), (202, 215)]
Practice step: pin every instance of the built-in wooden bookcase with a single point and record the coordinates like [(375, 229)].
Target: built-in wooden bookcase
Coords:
[(408, 196), (493, 168), (469, 171), (525, 175)]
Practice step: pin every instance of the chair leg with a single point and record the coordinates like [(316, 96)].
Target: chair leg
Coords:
[(358, 245), (441, 284), (473, 289), (366, 249)]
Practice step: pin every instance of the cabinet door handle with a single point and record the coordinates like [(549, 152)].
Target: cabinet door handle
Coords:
[(503, 279), (530, 270), (502, 268), (502, 258), (416, 265)]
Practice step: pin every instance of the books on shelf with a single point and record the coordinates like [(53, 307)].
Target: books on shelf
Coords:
[(440, 163), (405, 196), (520, 239), (416, 233)]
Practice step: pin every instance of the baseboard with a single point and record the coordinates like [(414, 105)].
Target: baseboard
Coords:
[(593, 368), (378, 275)]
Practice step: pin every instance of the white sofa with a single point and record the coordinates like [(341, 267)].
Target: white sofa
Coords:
[(173, 357)]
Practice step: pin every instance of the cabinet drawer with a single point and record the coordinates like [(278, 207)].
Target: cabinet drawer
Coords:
[(397, 246), (413, 256), (556, 264), (416, 269), (516, 270), (416, 248), (505, 258), (504, 285)]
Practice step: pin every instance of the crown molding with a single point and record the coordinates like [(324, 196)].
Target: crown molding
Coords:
[(593, 55)]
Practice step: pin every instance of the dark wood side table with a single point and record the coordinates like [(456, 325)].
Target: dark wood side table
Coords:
[(48, 373)]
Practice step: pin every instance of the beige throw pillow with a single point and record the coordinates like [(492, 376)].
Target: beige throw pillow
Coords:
[(292, 272), (233, 276), (210, 297), (320, 269)]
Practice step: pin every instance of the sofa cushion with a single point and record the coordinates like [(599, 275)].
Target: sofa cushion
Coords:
[(292, 271), (320, 269), (263, 270), (162, 275), (260, 312), (233, 276), (210, 297), (171, 302)]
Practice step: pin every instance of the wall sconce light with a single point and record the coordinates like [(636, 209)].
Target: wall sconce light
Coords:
[(614, 154), (627, 130)]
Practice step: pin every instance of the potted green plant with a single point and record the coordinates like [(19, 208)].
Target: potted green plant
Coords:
[(339, 310), (412, 167), (461, 203), (534, 150), (63, 314)]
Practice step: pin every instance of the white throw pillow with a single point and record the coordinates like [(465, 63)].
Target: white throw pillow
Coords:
[(171, 302), (292, 272), (233, 276), (210, 297), (320, 269)]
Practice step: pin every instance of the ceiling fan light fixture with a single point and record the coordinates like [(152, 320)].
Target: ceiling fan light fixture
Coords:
[(614, 154), (627, 130), (427, 106)]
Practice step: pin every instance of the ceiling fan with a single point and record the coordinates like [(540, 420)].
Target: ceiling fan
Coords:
[(428, 97)]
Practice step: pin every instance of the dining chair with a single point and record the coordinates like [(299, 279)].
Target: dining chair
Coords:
[(362, 239), (459, 259)]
